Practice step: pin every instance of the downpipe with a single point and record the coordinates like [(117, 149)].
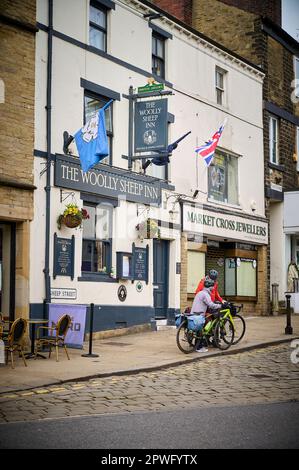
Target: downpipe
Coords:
[(48, 173)]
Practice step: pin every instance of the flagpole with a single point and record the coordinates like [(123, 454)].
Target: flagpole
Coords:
[(197, 180), (107, 104)]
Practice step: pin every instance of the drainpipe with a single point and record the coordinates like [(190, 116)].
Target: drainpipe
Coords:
[(48, 184)]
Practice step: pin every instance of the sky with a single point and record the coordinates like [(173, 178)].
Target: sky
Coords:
[(290, 17)]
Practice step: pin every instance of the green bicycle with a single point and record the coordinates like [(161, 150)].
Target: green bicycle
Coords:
[(219, 330)]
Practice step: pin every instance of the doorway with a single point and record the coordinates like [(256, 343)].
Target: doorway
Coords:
[(160, 277), (7, 269)]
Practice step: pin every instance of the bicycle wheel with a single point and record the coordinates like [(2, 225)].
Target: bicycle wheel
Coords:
[(186, 339), (224, 333), (239, 328)]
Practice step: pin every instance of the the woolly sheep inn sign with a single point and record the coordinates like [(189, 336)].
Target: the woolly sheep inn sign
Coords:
[(201, 221)]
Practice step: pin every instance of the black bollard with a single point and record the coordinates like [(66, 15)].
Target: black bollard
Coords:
[(288, 328), (90, 334)]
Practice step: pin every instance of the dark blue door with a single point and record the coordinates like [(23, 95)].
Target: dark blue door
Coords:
[(161, 266)]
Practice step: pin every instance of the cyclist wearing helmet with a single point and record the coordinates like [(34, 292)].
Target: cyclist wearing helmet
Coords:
[(213, 274), (202, 302)]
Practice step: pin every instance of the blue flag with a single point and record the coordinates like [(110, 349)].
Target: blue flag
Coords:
[(91, 140)]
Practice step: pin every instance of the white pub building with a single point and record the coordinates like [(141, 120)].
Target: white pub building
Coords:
[(91, 52)]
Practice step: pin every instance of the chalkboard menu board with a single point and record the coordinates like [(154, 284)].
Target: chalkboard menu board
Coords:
[(64, 251), (140, 263)]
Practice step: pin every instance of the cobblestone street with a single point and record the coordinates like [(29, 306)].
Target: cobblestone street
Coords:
[(259, 376)]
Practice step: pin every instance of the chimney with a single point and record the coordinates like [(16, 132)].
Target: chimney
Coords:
[(181, 9)]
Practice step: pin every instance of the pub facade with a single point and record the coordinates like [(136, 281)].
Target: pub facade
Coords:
[(132, 256)]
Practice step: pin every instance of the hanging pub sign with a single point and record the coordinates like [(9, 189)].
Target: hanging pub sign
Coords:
[(64, 251), (150, 125)]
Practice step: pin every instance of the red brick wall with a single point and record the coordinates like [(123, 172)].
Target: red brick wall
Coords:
[(181, 9)]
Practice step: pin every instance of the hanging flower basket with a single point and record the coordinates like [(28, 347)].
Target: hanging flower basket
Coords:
[(72, 216), (148, 229)]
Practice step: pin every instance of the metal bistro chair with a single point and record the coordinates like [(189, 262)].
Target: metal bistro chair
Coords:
[(60, 330), (14, 340)]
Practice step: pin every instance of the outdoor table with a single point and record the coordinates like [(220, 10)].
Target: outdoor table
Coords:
[(34, 322)]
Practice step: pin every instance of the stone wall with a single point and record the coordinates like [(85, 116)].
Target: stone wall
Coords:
[(17, 71), (269, 8), (17, 74)]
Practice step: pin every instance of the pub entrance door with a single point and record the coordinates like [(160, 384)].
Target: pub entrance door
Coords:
[(7, 269), (160, 278)]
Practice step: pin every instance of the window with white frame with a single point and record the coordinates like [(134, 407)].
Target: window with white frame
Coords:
[(220, 75), (296, 66), (97, 26), (97, 239), (273, 140), (158, 55)]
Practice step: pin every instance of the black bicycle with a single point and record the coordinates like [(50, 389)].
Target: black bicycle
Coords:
[(238, 321)]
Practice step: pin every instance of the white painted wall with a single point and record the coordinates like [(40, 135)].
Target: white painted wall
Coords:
[(191, 68), (277, 248)]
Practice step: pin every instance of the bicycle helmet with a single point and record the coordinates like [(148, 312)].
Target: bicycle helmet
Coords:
[(213, 274), (209, 283)]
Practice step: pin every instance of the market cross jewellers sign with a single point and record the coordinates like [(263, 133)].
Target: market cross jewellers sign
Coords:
[(202, 221), (106, 181)]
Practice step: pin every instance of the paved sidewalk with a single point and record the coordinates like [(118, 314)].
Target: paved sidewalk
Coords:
[(132, 353)]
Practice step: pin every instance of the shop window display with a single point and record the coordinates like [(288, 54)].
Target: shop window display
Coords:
[(240, 277), (196, 269)]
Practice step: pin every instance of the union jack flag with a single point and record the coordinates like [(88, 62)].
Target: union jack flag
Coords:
[(207, 150)]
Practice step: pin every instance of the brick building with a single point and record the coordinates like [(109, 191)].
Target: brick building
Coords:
[(253, 30), (17, 71)]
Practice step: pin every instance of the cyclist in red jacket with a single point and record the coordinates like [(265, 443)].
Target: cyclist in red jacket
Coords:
[(215, 296)]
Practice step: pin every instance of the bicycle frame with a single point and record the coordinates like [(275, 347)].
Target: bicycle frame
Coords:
[(225, 313)]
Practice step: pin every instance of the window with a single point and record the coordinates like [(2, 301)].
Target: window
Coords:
[(223, 178), (297, 147), (240, 277), (158, 55), (92, 103), (98, 26), (97, 239), (296, 77), (273, 140), (219, 81), (196, 270)]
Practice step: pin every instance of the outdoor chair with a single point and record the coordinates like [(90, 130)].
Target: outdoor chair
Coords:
[(13, 341), (56, 338)]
